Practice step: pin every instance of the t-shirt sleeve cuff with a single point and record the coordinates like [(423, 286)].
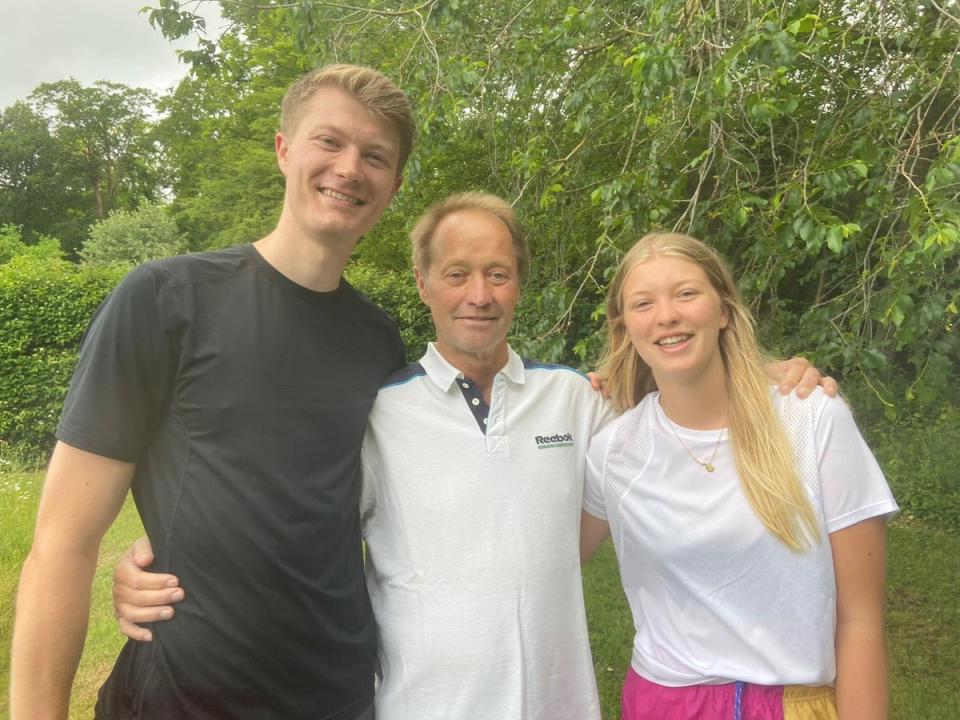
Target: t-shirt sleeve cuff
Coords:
[(885, 508), (594, 508), (97, 446)]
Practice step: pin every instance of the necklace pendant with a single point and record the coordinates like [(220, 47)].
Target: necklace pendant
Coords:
[(709, 467)]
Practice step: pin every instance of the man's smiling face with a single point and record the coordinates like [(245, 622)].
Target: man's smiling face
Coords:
[(471, 287), (341, 166)]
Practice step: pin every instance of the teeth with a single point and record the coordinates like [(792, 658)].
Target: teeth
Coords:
[(673, 340), (340, 196)]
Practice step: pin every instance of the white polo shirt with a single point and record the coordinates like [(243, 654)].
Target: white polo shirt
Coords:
[(473, 560)]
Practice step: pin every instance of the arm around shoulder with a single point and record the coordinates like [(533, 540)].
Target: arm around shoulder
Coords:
[(82, 495)]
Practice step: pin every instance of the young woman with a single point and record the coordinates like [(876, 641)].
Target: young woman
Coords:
[(749, 526)]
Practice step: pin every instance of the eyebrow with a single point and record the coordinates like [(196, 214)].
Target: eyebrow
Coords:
[(685, 281), (375, 145)]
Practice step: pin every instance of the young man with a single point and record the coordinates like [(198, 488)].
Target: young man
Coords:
[(230, 390), (473, 474)]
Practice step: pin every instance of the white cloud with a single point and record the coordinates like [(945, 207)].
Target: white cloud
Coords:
[(90, 40)]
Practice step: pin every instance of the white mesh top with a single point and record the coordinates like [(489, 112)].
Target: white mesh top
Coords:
[(715, 597)]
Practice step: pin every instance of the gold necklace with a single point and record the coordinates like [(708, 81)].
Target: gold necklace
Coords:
[(708, 466)]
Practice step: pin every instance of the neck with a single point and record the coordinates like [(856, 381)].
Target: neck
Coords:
[(315, 263), (482, 368), (702, 403)]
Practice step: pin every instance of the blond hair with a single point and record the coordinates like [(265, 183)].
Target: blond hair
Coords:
[(371, 88), (764, 457), (422, 233)]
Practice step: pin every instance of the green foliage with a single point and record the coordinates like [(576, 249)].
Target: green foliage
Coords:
[(10, 243), (396, 293), (218, 133), (133, 237), (71, 154), (920, 454), (816, 144), (45, 306), (11, 246), (37, 191)]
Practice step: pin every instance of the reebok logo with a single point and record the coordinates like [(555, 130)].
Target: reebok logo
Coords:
[(545, 442)]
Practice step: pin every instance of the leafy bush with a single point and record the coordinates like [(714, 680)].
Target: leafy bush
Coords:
[(131, 238), (45, 306), (920, 456), (918, 449), (12, 245), (396, 293)]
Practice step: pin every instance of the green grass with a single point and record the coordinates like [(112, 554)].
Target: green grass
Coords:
[(923, 614)]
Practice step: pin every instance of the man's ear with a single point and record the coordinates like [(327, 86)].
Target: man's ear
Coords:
[(396, 186), (281, 148), (421, 285)]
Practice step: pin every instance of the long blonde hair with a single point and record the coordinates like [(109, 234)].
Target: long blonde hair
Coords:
[(764, 457)]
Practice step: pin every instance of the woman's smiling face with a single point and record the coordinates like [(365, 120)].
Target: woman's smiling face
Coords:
[(673, 316)]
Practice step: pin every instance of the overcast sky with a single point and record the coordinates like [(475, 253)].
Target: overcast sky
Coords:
[(90, 40)]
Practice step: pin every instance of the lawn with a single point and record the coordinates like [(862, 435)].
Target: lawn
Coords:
[(923, 615)]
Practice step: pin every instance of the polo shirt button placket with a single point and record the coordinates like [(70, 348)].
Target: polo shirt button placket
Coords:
[(497, 441)]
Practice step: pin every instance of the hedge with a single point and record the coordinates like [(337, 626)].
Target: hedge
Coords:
[(45, 305)]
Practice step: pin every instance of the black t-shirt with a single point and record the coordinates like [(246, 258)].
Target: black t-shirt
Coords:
[(243, 398)]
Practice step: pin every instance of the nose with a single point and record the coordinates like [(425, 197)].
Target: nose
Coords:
[(478, 291), (348, 164), (667, 313)]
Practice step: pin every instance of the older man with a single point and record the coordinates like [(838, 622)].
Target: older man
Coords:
[(473, 477)]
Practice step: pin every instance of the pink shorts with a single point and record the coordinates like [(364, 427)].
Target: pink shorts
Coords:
[(644, 700)]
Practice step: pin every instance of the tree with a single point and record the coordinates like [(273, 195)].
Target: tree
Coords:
[(36, 191), (815, 143), (218, 137), (133, 237), (104, 136)]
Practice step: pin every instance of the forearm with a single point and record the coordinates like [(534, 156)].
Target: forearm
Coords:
[(593, 531), (863, 689), (53, 605)]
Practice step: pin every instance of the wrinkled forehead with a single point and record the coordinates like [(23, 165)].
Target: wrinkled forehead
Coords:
[(472, 230)]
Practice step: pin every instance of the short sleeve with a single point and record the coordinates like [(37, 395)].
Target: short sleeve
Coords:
[(593, 501), (124, 375), (852, 484)]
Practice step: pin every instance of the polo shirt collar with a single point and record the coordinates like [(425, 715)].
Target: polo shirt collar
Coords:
[(444, 375)]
